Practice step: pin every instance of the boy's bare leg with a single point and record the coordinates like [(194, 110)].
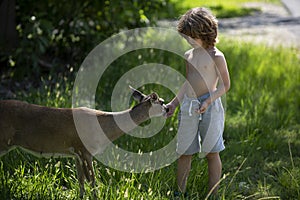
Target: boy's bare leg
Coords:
[(183, 170), (214, 170)]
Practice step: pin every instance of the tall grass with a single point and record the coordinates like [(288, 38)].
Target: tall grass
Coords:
[(261, 160), (263, 117)]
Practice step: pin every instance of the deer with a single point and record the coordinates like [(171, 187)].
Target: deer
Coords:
[(51, 132)]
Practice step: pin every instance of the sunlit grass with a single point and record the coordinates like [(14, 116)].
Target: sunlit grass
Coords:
[(262, 137), (222, 9)]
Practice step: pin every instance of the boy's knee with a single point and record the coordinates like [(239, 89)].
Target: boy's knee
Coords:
[(212, 156), (185, 157)]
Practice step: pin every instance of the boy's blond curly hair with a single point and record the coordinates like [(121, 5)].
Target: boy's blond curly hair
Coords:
[(199, 23)]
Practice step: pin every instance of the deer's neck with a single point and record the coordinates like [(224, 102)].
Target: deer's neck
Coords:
[(115, 124), (140, 113)]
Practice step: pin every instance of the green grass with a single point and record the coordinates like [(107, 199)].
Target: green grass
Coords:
[(263, 122), (222, 9), (261, 159)]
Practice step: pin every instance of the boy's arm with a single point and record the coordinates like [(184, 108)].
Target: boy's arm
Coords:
[(176, 100), (224, 82), (179, 97)]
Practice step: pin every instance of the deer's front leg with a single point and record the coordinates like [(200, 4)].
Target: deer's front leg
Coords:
[(87, 164)]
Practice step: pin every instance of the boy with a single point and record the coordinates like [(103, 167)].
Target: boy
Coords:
[(201, 117)]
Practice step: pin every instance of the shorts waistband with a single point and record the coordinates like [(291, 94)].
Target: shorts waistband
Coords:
[(200, 98), (203, 97)]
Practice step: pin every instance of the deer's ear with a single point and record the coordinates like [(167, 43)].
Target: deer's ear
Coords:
[(137, 95)]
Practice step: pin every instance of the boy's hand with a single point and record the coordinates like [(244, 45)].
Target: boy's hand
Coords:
[(171, 108), (202, 108)]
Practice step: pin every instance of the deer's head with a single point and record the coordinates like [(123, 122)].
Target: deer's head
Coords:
[(157, 106)]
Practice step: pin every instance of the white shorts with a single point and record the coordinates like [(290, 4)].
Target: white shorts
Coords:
[(200, 132)]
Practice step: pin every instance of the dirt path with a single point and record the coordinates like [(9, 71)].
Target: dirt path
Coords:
[(272, 26)]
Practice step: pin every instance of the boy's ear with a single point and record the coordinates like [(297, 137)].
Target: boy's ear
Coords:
[(137, 95)]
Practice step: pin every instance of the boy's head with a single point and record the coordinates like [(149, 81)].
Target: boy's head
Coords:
[(199, 23)]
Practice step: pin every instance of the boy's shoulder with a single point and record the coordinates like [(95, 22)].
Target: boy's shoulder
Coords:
[(213, 52)]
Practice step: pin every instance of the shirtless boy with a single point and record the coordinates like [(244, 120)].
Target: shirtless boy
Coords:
[(201, 117)]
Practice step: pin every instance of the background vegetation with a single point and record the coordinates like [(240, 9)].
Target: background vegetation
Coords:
[(54, 36), (261, 160), (222, 9)]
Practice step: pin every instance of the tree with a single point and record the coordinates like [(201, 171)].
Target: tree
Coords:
[(56, 34)]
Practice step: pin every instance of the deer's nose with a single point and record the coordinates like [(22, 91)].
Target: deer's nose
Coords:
[(166, 108)]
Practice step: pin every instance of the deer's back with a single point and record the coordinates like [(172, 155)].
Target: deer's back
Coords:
[(38, 127)]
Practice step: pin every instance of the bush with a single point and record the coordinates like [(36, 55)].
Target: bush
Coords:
[(55, 35)]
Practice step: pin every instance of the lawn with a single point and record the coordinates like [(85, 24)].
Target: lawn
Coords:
[(261, 159), (222, 9), (262, 132)]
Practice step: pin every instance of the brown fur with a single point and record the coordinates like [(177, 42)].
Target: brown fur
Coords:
[(50, 132)]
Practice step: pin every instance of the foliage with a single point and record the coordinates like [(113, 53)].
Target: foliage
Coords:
[(222, 9), (55, 35), (262, 135)]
